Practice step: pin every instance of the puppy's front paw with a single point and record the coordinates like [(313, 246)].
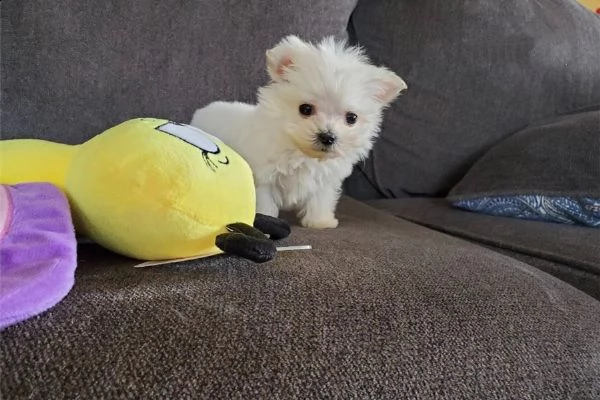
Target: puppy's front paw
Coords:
[(320, 223)]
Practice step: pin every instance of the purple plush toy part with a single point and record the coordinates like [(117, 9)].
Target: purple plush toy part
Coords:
[(38, 250)]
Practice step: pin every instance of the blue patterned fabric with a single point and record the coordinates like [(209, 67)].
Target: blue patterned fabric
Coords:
[(566, 210)]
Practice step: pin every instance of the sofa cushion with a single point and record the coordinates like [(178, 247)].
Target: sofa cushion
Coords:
[(575, 248), (549, 172), (379, 309), (477, 71), (71, 69)]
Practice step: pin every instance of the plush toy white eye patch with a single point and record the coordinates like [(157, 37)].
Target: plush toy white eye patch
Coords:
[(192, 135)]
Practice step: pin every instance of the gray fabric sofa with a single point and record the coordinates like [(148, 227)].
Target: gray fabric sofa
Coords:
[(409, 298)]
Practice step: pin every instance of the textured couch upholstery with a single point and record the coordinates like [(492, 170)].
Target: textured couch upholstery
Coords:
[(75, 68), (477, 72), (569, 252), (407, 299), (380, 309)]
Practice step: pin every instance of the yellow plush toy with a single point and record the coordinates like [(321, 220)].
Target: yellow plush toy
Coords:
[(151, 189)]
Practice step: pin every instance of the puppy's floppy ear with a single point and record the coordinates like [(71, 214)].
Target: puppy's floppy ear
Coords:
[(281, 57), (386, 85)]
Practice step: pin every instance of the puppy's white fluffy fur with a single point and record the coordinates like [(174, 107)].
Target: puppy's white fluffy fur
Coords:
[(292, 169)]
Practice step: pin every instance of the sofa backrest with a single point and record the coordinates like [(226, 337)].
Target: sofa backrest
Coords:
[(477, 71), (72, 68)]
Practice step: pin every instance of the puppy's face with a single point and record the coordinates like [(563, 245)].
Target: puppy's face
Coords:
[(327, 98)]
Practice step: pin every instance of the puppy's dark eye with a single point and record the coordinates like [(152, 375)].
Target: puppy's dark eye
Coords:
[(306, 109), (351, 118)]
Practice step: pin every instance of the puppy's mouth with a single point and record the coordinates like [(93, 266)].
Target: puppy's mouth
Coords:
[(311, 152), (325, 151), (319, 151), (323, 146)]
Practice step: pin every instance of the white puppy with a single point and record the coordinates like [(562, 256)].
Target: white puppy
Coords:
[(313, 122)]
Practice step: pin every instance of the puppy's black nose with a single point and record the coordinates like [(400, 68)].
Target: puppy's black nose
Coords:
[(326, 138)]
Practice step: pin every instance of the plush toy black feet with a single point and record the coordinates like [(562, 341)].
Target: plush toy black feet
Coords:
[(251, 242)]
